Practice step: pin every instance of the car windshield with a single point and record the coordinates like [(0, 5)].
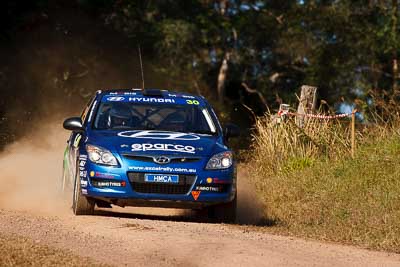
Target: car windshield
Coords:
[(165, 117)]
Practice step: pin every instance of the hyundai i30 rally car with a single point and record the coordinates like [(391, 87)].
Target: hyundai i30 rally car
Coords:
[(150, 148)]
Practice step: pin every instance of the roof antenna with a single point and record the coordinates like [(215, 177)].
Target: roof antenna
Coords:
[(141, 66)]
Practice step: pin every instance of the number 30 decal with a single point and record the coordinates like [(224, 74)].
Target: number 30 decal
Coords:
[(192, 102)]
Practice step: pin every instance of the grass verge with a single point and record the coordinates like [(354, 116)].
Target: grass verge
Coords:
[(311, 187)]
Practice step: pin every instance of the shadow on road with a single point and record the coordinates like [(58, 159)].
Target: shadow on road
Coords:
[(189, 216)]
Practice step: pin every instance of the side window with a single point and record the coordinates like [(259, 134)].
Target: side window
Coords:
[(87, 108)]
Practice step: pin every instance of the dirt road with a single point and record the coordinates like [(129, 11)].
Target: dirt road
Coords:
[(37, 229), (165, 238)]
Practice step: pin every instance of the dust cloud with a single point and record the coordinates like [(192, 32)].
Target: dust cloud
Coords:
[(30, 171), (48, 72), (250, 209)]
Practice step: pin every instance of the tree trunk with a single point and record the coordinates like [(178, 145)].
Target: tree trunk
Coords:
[(223, 71), (395, 66)]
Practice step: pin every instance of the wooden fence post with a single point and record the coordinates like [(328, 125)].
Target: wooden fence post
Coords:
[(353, 133), (307, 103)]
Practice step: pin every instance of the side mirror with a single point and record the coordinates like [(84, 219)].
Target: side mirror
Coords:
[(73, 124), (231, 130)]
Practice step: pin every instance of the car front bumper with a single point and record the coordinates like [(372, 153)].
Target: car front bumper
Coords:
[(122, 191)]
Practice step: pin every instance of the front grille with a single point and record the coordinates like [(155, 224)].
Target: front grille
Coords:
[(139, 158), (138, 184)]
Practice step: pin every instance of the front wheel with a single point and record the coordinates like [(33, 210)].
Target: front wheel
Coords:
[(81, 205)]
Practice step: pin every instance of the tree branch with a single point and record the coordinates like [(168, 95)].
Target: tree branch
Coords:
[(254, 91)]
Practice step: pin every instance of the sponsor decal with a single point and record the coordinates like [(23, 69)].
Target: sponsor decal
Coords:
[(196, 194), (163, 147), (151, 100), (123, 146), (82, 168), (188, 96), (162, 169), (159, 135), (115, 98), (84, 191), (134, 98), (208, 188), (104, 175), (183, 96), (84, 183), (210, 180), (82, 163), (124, 93), (83, 174), (83, 157), (77, 139), (192, 102), (218, 181), (98, 183)]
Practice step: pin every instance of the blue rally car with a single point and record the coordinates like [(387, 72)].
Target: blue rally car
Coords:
[(150, 148)]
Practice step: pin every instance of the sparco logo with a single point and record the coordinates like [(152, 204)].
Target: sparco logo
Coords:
[(163, 147), (159, 135)]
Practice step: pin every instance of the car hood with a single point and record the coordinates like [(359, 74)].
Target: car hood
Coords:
[(157, 142)]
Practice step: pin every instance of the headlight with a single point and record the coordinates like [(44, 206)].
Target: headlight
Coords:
[(220, 161), (101, 156)]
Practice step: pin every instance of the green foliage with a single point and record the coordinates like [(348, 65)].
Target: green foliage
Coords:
[(346, 48), (297, 164), (339, 46)]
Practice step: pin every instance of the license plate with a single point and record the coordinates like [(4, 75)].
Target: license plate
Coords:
[(161, 178)]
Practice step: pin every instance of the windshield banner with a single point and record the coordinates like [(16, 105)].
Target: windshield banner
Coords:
[(146, 100)]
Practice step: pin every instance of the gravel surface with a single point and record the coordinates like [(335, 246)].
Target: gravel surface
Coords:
[(166, 238), (21, 251)]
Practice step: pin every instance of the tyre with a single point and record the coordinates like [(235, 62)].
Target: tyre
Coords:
[(81, 205), (225, 212)]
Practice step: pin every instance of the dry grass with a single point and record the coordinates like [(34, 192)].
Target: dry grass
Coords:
[(312, 187)]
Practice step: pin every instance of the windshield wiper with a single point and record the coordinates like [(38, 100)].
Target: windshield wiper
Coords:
[(120, 127), (203, 132)]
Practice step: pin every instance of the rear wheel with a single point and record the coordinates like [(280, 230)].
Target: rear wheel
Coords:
[(225, 212), (81, 205)]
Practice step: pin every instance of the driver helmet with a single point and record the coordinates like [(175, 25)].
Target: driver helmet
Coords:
[(119, 115)]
